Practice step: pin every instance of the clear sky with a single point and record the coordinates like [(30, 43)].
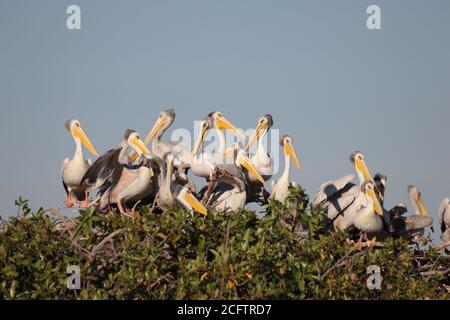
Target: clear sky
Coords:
[(327, 80)]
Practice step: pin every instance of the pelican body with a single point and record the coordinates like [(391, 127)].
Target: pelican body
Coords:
[(341, 196), (230, 192), (262, 160), (73, 170), (112, 172), (280, 188)]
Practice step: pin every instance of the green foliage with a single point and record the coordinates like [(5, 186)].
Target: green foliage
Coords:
[(287, 254)]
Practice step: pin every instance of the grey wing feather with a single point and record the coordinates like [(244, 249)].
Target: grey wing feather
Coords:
[(418, 222), (442, 208), (105, 171)]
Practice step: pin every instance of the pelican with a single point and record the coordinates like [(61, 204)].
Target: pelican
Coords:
[(280, 188), (339, 195), (262, 160), (369, 216), (230, 192), (107, 172), (444, 219), (183, 156), (413, 227), (73, 170), (172, 191), (204, 162)]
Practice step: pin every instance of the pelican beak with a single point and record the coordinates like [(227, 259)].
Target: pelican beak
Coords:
[(222, 123), (256, 135), (423, 210), (140, 145), (200, 141), (361, 165), (376, 204), (79, 133), (246, 163), (289, 151), (195, 204), (156, 129), (229, 151)]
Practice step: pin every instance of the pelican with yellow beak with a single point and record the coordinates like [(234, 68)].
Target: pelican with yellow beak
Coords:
[(280, 188), (230, 191), (339, 196), (262, 160), (413, 227), (73, 170), (203, 163), (159, 148), (108, 170), (172, 192), (369, 217)]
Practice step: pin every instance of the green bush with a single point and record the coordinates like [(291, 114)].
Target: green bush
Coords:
[(287, 254)]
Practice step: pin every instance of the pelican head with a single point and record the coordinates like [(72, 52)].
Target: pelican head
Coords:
[(360, 164), (135, 142), (74, 127), (369, 190), (165, 120), (222, 123), (191, 202), (415, 196), (244, 162), (263, 126), (380, 181), (213, 120), (287, 143)]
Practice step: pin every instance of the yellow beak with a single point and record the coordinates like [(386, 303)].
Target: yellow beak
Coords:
[(223, 123), (195, 204), (140, 145), (362, 167), (423, 210), (256, 135), (376, 204), (80, 134), (289, 151), (246, 163), (155, 130)]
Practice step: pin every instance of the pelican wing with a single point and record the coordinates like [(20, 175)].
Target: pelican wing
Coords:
[(418, 222), (339, 205), (333, 189), (105, 171)]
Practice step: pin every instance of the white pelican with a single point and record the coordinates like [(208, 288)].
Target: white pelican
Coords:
[(280, 188), (339, 195), (160, 148), (369, 216), (413, 227), (230, 192), (444, 219), (171, 190), (73, 170), (262, 160), (204, 162), (107, 173)]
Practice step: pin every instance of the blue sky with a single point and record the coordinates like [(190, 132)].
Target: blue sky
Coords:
[(327, 80)]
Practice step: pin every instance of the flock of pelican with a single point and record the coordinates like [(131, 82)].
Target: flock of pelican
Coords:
[(233, 177)]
